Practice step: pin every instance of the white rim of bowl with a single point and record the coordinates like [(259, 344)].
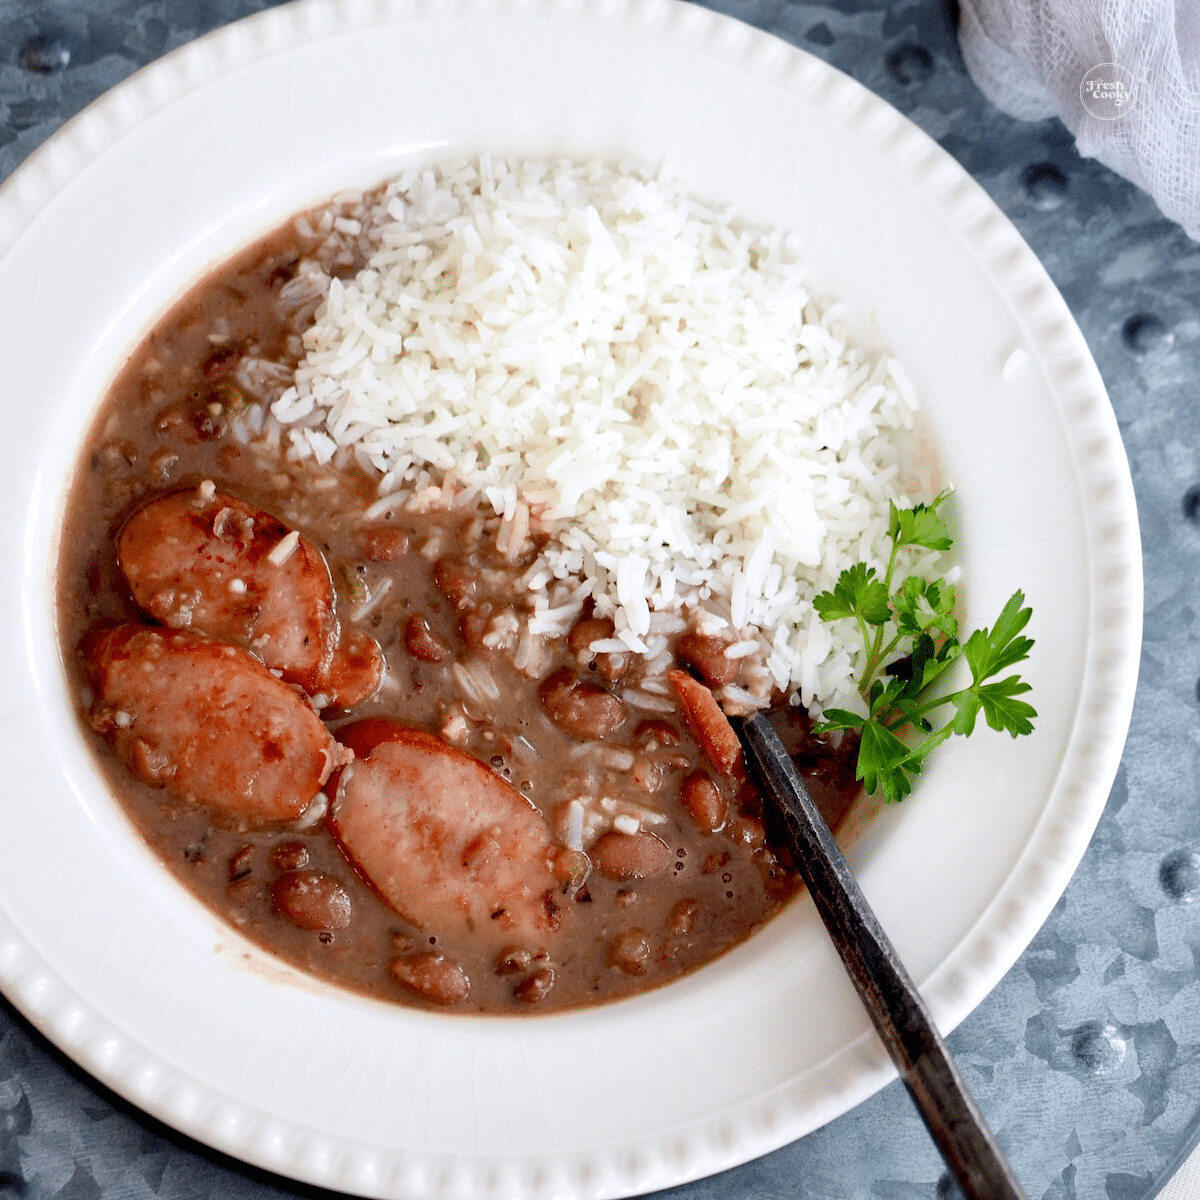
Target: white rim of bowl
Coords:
[(1012, 917)]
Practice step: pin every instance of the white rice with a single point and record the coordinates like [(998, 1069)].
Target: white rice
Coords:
[(595, 351)]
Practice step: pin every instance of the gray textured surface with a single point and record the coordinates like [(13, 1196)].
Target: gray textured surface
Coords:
[(1086, 1058)]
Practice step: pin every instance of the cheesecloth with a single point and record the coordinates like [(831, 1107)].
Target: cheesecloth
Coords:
[(1124, 76)]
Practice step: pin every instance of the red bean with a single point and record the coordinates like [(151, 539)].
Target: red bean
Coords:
[(512, 960), (706, 655), (611, 667), (749, 831), (582, 709), (289, 856), (244, 890), (681, 920), (624, 856), (241, 863), (573, 868), (220, 362), (589, 630), (536, 987), (630, 951), (455, 580), (312, 900), (384, 545), (646, 774), (703, 801), (660, 732), (421, 641), (473, 627), (432, 977)]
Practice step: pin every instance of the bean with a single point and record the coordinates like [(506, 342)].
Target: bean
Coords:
[(589, 630), (220, 362), (455, 580), (536, 987), (243, 890), (241, 863), (432, 977), (611, 667), (573, 868), (421, 641), (681, 920), (630, 951), (512, 960), (703, 801), (289, 856), (748, 831), (384, 545), (584, 710), (706, 655), (473, 626), (624, 856), (646, 774), (655, 731), (312, 900)]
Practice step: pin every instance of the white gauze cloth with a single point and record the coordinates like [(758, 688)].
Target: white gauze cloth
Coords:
[(1030, 58)]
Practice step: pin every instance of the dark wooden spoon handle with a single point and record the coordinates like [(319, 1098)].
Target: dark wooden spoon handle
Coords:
[(890, 997)]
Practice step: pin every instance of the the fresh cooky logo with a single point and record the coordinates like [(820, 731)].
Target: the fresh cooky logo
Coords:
[(1107, 91)]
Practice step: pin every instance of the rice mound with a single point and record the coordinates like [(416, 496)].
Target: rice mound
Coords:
[(596, 351)]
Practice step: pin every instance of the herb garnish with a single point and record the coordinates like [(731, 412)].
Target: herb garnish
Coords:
[(921, 614)]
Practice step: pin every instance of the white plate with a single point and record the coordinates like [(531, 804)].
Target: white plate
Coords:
[(128, 204)]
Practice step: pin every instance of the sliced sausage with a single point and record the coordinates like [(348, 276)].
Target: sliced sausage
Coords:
[(446, 842), (208, 721), (710, 725), (208, 561), (355, 669)]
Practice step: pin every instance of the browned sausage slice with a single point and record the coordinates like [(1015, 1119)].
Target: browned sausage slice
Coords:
[(446, 842), (355, 671), (208, 721), (208, 561), (710, 725)]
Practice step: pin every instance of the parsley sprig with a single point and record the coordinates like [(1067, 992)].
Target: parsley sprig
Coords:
[(911, 641)]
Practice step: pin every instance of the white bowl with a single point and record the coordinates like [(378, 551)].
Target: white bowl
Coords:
[(111, 221)]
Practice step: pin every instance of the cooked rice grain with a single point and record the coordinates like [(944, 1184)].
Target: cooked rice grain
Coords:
[(602, 355)]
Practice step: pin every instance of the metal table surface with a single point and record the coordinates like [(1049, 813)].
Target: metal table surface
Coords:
[(1086, 1058)]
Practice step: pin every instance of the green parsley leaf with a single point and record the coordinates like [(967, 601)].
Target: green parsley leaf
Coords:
[(839, 718), (920, 525), (921, 605), (880, 757), (988, 653), (902, 696), (857, 594)]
